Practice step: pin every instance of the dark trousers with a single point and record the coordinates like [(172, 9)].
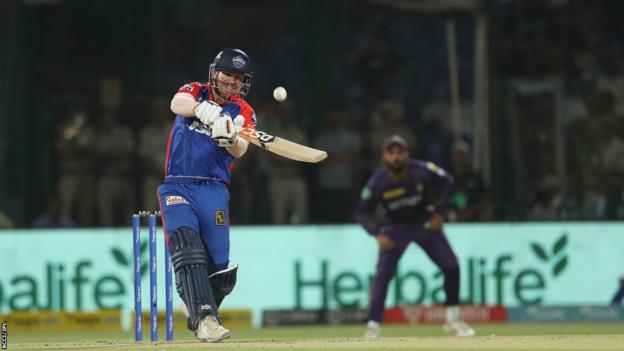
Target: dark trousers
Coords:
[(435, 245)]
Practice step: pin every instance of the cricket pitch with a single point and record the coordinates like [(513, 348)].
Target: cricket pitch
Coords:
[(599, 336)]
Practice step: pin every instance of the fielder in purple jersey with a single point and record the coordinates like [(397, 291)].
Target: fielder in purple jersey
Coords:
[(412, 194), (194, 196)]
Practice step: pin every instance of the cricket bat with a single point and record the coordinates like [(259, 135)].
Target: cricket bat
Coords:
[(281, 146)]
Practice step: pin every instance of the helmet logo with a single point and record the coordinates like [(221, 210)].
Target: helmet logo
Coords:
[(238, 61)]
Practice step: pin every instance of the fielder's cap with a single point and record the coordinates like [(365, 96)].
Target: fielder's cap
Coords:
[(394, 140)]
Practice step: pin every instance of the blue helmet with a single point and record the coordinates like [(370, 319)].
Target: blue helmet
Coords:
[(232, 61)]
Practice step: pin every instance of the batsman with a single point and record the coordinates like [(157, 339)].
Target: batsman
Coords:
[(412, 194), (194, 196)]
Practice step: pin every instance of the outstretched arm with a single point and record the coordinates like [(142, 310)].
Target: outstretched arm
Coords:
[(442, 185), (184, 104), (364, 212)]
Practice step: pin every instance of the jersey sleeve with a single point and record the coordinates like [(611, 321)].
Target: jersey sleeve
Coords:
[(441, 183), (191, 88), (250, 116), (369, 198)]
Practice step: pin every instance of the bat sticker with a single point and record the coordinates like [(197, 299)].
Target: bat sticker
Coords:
[(258, 134)]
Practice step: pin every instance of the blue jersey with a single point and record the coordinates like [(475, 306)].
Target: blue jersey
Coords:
[(191, 152)]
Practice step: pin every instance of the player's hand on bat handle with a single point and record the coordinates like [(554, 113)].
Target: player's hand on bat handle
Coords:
[(208, 112), (223, 131), (384, 241), (435, 222), (239, 121)]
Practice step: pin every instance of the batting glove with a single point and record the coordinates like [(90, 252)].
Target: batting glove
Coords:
[(208, 112), (223, 131)]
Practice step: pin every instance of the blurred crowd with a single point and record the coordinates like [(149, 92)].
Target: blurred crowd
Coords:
[(108, 168), (580, 45), (385, 76)]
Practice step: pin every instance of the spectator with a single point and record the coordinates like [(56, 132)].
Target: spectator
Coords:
[(611, 152), (469, 199), (152, 149), (371, 62), (612, 82), (337, 174), (115, 193), (287, 186), (547, 201), (75, 158), (53, 217), (5, 221), (436, 141), (392, 122)]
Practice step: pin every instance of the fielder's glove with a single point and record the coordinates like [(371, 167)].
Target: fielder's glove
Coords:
[(224, 130), (208, 112)]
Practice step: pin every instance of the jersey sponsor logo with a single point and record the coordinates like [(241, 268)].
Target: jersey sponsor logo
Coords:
[(393, 194), (238, 61), (404, 202), (199, 127), (258, 134), (366, 193), (220, 217), (175, 200)]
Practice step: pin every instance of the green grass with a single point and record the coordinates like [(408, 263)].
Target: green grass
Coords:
[(598, 336)]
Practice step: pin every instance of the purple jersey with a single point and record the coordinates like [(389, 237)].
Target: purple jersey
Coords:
[(408, 201), (191, 152)]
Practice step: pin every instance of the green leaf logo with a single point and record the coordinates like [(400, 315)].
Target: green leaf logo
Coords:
[(124, 260), (119, 257), (144, 258), (560, 244), (557, 257), (539, 251), (143, 268), (560, 266)]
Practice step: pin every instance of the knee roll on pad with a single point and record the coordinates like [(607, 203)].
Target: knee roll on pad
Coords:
[(190, 262), (223, 283)]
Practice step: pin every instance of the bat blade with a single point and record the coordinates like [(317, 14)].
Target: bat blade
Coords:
[(281, 146)]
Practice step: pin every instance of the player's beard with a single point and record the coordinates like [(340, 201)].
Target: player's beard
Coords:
[(225, 93), (226, 90), (397, 167)]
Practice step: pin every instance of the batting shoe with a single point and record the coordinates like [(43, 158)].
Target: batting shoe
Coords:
[(460, 328), (209, 330), (373, 330), (454, 323)]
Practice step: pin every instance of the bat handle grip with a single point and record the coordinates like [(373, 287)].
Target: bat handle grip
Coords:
[(239, 122)]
